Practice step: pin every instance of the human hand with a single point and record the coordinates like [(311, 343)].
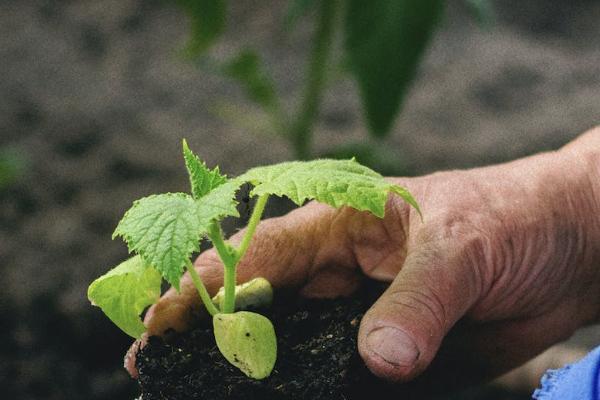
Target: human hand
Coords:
[(511, 250)]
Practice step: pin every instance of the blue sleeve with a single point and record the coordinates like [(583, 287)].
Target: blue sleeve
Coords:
[(578, 381)]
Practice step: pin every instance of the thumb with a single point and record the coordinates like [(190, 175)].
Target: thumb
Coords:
[(401, 333)]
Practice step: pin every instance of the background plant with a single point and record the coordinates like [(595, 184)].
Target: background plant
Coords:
[(383, 43)]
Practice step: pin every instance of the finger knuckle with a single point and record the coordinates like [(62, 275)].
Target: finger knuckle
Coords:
[(427, 304)]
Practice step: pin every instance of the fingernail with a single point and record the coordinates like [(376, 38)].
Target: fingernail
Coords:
[(394, 346)]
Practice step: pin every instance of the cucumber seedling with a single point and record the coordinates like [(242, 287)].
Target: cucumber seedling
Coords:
[(164, 230)]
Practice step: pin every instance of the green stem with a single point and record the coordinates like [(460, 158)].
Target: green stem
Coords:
[(230, 272), (259, 207), (302, 126), (231, 257), (228, 256), (204, 296), (226, 253)]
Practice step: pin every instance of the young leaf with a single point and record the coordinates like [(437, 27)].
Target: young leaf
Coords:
[(218, 203), (164, 229), (334, 182), (385, 40), (124, 292), (247, 340), (207, 22), (202, 179)]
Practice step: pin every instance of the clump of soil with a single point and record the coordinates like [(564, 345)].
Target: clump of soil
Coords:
[(317, 358)]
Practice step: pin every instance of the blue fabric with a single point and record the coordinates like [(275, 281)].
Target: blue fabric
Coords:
[(578, 381)]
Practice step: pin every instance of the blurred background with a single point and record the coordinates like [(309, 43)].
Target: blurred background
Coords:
[(95, 97)]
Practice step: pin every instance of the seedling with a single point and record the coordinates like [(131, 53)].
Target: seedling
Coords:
[(164, 230)]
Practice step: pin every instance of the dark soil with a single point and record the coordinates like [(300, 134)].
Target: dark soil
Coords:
[(317, 359)]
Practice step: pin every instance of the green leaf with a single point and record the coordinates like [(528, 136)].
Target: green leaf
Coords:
[(384, 41), (247, 340), (207, 23), (406, 196), (375, 154), (166, 229), (247, 70), (216, 193), (218, 203), (334, 182), (124, 292), (202, 179)]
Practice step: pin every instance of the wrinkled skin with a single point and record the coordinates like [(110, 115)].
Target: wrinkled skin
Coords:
[(511, 251)]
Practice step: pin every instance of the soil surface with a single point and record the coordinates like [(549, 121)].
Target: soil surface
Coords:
[(317, 359)]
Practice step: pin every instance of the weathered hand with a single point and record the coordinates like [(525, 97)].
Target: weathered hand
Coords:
[(510, 250)]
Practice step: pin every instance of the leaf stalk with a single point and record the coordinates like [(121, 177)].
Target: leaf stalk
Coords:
[(204, 296), (257, 213)]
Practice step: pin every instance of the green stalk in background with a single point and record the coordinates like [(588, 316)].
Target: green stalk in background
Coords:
[(301, 128)]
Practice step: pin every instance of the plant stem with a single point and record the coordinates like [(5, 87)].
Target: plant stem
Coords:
[(228, 256), (259, 207), (226, 253), (204, 296), (230, 262), (302, 126)]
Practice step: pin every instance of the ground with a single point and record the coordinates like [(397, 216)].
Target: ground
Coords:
[(96, 97)]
